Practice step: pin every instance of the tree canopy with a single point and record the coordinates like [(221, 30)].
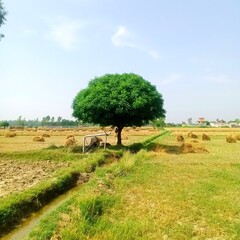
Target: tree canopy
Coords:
[(4, 124), (119, 100), (2, 16)]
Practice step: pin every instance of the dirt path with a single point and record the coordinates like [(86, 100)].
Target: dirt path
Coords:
[(18, 176)]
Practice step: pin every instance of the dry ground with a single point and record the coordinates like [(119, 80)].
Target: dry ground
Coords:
[(16, 176)]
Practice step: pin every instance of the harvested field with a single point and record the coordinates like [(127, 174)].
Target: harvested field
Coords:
[(199, 183), (24, 139), (17, 176), (211, 131)]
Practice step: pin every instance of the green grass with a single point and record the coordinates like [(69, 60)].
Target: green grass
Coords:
[(158, 196), (58, 154)]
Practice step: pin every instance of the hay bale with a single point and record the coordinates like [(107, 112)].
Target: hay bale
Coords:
[(192, 135), (193, 148), (205, 137), (45, 135), (70, 141), (230, 139), (237, 136), (189, 134), (70, 136), (180, 138), (38, 139), (10, 134)]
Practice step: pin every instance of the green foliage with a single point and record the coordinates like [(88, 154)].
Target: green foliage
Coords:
[(4, 124), (2, 16), (159, 123), (119, 100)]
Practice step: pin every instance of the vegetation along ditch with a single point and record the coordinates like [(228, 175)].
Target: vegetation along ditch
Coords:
[(19, 206)]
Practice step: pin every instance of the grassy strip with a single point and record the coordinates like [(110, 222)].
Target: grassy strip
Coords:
[(157, 196), (58, 154), (83, 212), (95, 198), (148, 144), (14, 207)]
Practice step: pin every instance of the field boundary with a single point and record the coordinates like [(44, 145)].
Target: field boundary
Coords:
[(18, 206)]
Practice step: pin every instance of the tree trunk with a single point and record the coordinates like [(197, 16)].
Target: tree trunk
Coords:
[(119, 136)]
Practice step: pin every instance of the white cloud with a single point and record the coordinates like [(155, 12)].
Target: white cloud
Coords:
[(123, 38), (65, 32), (119, 39)]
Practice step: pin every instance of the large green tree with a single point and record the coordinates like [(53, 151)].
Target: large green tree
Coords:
[(2, 16), (119, 100)]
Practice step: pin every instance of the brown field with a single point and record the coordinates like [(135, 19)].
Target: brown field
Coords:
[(209, 131), (23, 141), (18, 175)]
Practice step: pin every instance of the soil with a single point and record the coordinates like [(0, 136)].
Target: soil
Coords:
[(18, 176)]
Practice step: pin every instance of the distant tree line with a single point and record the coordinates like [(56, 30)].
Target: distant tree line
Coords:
[(47, 121)]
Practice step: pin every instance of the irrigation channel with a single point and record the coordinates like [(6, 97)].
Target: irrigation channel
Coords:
[(26, 225)]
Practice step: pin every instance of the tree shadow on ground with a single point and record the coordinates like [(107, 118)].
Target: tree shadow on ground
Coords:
[(169, 149), (155, 147)]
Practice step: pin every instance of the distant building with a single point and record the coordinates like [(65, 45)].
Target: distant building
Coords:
[(219, 123), (201, 121)]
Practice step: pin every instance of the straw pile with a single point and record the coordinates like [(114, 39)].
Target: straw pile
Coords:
[(205, 137), (192, 135), (45, 135), (180, 138), (230, 139), (70, 141), (70, 136), (10, 134), (38, 139), (193, 148)]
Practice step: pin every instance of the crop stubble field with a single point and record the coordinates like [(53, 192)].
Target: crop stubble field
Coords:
[(19, 174)]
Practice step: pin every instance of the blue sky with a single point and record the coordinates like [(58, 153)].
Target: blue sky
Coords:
[(190, 50)]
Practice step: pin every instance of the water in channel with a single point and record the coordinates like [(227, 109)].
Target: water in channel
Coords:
[(28, 224)]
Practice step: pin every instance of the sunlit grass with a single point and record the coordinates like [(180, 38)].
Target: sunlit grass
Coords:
[(174, 196), (155, 194)]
